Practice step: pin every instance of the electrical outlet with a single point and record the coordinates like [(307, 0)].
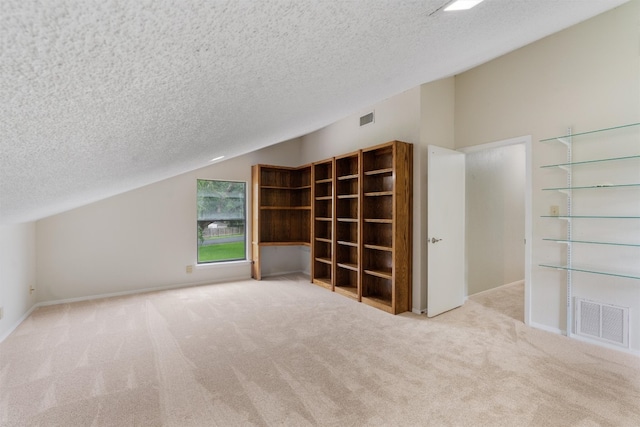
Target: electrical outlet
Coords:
[(554, 210), (31, 290), (189, 269), (1, 312)]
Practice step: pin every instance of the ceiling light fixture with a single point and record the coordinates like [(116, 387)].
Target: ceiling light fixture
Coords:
[(461, 5), (216, 158)]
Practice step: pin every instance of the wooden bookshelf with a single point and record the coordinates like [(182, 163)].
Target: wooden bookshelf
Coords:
[(387, 226), (347, 225), (322, 223)]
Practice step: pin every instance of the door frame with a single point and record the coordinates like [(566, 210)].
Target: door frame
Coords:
[(528, 208)]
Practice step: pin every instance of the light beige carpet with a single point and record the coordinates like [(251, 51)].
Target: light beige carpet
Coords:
[(285, 352), (506, 299)]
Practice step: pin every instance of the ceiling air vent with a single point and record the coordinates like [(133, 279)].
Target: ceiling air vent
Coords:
[(366, 119)]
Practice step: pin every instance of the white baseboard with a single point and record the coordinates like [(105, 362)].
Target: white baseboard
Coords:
[(140, 291), (558, 331), (540, 326), (419, 311), (116, 294), (22, 319), (607, 345)]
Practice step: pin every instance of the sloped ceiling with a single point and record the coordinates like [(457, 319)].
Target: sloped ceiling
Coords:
[(102, 96)]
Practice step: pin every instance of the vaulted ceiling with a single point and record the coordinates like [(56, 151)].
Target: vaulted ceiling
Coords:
[(100, 97)]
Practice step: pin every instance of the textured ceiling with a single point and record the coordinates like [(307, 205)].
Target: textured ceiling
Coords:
[(100, 97)]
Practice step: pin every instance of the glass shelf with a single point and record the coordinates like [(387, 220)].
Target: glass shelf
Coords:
[(591, 271), (591, 187), (559, 138), (589, 216), (587, 162), (636, 245)]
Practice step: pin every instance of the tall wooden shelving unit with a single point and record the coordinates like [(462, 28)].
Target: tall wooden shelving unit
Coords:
[(347, 225), (322, 226), (386, 226), (281, 208), (356, 211)]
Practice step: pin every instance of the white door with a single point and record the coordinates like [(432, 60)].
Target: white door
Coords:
[(445, 230)]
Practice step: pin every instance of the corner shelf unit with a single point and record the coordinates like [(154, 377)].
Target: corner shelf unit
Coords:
[(622, 203), (281, 208)]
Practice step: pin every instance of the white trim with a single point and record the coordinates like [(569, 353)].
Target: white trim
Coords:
[(546, 328), (219, 264), (418, 311), (528, 227), (15, 326), (117, 294), (600, 343), (496, 144), (585, 340), (143, 291)]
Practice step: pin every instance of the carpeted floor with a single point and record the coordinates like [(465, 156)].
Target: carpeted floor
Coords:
[(285, 352), (506, 299)]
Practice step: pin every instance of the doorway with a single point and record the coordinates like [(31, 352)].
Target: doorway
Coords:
[(498, 182)]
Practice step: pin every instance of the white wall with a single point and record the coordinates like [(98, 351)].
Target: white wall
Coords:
[(586, 77), (17, 274), (495, 191), (144, 238)]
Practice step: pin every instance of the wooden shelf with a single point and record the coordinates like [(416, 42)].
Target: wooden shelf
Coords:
[(352, 176), (386, 274), (345, 243), (286, 208), (379, 193), (352, 267), (324, 260), (325, 282), (379, 303), (324, 181), (379, 171), (348, 291), (347, 219), (277, 187), (379, 248), (283, 244), (378, 220), (322, 239)]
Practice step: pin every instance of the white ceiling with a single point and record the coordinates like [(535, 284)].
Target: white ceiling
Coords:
[(100, 97)]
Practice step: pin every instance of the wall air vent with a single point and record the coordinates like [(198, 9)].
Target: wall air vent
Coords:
[(366, 119), (604, 322)]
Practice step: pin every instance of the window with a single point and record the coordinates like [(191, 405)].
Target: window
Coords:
[(221, 221)]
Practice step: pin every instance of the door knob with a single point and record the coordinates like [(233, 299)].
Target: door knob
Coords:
[(434, 240)]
